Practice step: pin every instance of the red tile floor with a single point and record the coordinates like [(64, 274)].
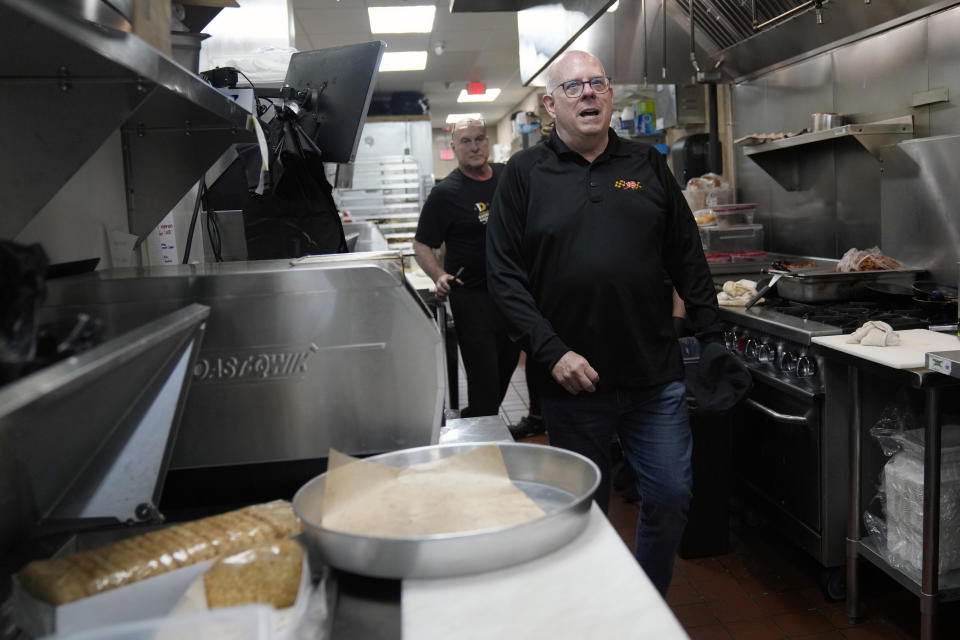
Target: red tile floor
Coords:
[(764, 588)]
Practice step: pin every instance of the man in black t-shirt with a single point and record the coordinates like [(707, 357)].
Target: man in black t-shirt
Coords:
[(456, 214)]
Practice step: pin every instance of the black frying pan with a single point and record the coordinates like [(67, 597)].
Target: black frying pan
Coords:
[(934, 291), (63, 269)]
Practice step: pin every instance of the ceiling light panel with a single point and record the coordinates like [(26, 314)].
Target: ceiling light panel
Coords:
[(403, 61), (416, 19), (488, 96)]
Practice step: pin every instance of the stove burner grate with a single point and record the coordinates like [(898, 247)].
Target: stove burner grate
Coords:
[(848, 316)]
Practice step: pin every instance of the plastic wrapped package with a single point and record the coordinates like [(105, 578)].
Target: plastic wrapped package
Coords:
[(83, 590), (267, 574), (901, 494), (871, 259), (79, 575), (706, 191), (276, 574)]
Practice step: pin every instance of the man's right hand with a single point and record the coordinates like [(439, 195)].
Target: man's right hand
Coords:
[(445, 285), (575, 374)]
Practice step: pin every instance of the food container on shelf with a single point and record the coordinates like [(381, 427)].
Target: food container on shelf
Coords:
[(717, 258), (719, 239), (748, 256), (824, 121), (734, 215)]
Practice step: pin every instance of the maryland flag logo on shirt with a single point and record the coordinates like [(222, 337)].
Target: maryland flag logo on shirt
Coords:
[(628, 185), (483, 211)]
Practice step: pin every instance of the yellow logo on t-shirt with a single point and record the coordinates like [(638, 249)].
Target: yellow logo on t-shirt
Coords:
[(482, 211), (628, 185)]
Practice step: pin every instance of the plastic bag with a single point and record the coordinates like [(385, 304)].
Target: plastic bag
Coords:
[(871, 259), (22, 291), (898, 533)]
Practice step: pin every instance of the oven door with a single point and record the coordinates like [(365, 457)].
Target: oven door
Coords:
[(777, 450)]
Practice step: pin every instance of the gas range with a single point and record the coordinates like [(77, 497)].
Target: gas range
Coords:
[(774, 338)]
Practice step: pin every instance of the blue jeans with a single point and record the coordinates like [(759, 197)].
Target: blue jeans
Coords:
[(654, 431)]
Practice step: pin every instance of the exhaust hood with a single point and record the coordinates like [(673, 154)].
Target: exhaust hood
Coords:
[(740, 38), (747, 37)]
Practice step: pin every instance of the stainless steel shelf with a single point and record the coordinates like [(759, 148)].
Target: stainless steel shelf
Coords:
[(869, 549), (871, 136), (781, 158), (67, 84)]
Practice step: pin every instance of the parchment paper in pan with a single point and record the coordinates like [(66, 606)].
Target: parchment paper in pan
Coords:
[(465, 492)]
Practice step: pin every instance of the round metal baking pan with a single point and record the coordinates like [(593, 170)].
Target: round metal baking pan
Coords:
[(561, 482)]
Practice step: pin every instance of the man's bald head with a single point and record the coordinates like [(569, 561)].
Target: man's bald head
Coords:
[(556, 72)]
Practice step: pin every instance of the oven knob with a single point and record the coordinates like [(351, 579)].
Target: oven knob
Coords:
[(730, 339), (751, 350), (788, 362), (766, 352), (806, 367)]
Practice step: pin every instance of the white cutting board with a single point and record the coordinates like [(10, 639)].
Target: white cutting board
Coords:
[(909, 354)]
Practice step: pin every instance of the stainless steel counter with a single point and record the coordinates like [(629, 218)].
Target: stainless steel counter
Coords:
[(479, 429)]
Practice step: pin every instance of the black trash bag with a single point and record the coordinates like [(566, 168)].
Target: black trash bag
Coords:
[(22, 291), (59, 340), (297, 215)]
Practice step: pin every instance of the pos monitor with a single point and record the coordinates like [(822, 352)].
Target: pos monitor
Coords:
[(335, 85)]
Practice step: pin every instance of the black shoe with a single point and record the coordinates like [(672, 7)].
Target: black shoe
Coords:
[(528, 426)]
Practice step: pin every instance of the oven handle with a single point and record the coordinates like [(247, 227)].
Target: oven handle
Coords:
[(776, 415)]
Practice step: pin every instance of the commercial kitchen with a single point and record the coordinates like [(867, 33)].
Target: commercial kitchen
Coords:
[(185, 375)]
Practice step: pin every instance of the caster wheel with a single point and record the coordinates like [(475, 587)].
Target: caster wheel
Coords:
[(833, 583)]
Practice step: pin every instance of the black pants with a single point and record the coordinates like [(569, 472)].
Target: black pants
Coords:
[(489, 356)]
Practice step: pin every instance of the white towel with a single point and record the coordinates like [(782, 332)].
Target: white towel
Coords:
[(737, 294), (875, 333)]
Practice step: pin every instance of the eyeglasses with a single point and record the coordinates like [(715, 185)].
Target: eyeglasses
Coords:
[(574, 88)]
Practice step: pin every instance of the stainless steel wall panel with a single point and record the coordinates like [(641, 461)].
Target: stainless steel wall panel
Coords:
[(802, 221), (797, 91), (919, 193), (857, 198), (899, 202), (876, 78), (943, 54)]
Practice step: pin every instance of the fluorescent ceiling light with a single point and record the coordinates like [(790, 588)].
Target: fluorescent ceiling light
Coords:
[(454, 118), (418, 19), (403, 61), (614, 7), (488, 96)]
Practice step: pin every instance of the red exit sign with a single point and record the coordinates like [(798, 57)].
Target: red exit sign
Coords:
[(476, 89)]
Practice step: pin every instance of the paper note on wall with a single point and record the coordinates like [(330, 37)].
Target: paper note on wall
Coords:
[(163, 243)]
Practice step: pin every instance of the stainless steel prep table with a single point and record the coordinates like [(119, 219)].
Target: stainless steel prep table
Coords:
[(929, 589)]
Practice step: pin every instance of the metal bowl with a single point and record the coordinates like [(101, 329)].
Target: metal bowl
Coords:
[(561, 482)]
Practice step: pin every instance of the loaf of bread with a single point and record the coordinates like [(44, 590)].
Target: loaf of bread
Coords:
[(72, 577), (268, 574)]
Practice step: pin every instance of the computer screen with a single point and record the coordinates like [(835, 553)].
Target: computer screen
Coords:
[(343, 78)]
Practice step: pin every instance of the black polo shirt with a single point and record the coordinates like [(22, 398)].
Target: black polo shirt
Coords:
[(456, 213), (579, 255)]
